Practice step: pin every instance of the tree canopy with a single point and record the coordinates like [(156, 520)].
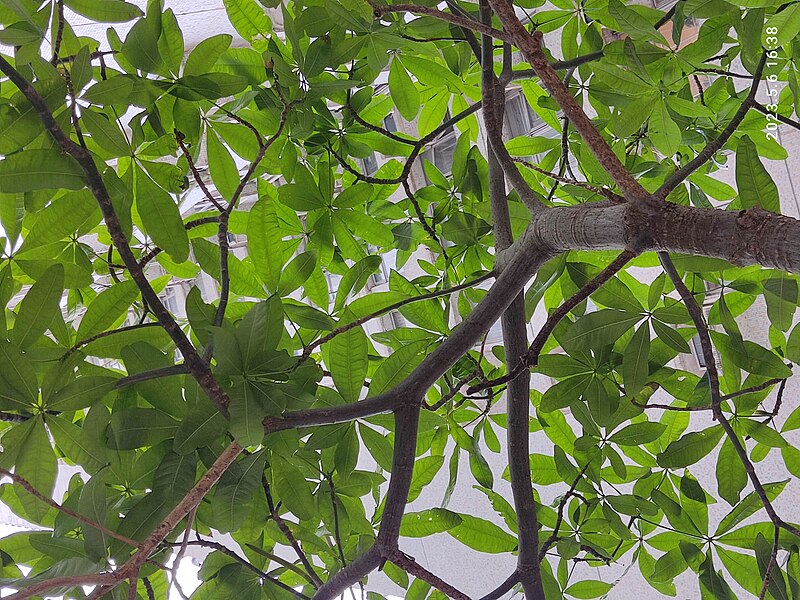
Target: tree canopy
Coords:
[(254, 410)]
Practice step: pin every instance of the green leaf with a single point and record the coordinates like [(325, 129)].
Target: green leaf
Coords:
[(92, 504), (247, 415), (133, 428), (355, 279), (32, 170), (663, 131), (755, 184), (141, 44), (222, 167), (114, 90), (81, 393), (425, 469), (635, 368), (429, 522), (482, 535), (690, 448), (39, 307), (670, 337), (202, 423), (37, 464), (751, 357), (404, 92), (637, 434), (265, 243), (297, 272), (236, 486), (77, 443), (348, 356), (160, 217), (292, 488), (748, 506), (669, 566), (105, 11), (793, 345), (602, 328), (206, 54), (381, 448), (59, 219), (396, 367), (731, 475), (107, 308), (633, 23), (589, 588), (105, 133), (249, 19), (786, 23)]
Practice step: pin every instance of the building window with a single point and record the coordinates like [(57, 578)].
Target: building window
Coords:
[(495, 333), (697, 351), (389, 123), (169, 299), (520, 118), (370, 165), (393, 320)]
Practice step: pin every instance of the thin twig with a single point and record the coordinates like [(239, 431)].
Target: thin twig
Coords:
[(463, 22), (392, 307), (28, 487), (412, 567), (785, 120), (560, 514), (566, 180), (773, 560), (59, 36), (180, 138), (79, 344)]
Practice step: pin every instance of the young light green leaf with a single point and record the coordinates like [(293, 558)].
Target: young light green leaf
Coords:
[(265, 241), (482, 535), (348, 352), (297, 272)]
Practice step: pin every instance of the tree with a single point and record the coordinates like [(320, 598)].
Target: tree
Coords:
[(249, 415)]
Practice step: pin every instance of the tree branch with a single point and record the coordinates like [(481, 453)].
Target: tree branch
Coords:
[(531, 47), (412, 567), (199, 369), (513, 322)]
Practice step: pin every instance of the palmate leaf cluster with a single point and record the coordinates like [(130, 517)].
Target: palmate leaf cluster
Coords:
[(284, 119)]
